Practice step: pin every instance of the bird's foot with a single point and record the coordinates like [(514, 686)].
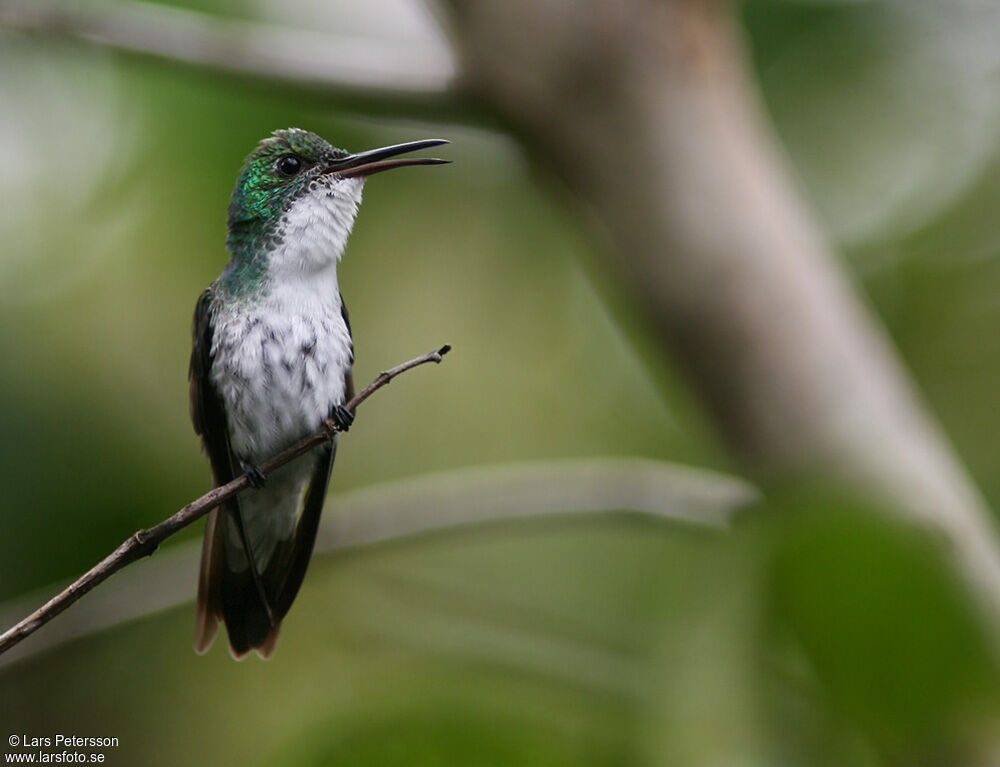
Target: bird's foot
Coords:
[(255, 476), (342, 417)]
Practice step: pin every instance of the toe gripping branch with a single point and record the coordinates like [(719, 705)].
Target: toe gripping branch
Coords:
[(340, 419), (255, 476)]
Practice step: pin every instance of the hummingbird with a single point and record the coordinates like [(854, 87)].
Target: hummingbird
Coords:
[(271, 360)]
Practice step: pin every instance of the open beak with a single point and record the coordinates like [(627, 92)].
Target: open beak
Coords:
[(377, 160)]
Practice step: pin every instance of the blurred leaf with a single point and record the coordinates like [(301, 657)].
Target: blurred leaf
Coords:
[(886, 625)]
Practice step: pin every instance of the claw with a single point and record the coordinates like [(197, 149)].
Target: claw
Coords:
[(255, 476), (342, 417)]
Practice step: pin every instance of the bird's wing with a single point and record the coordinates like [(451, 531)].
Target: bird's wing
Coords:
[(349, 375), (209, 420), (207, 411)]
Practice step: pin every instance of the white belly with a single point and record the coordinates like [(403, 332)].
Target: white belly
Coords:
[(279, 368)]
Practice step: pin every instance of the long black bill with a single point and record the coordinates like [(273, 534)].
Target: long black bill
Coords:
[(378, 160)]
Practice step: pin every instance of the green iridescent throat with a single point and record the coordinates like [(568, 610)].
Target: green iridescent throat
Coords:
[(261, 197)]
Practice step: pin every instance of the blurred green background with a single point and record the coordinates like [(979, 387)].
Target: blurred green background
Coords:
[(811, 636)]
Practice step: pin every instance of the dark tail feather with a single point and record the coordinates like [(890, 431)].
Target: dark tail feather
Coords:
[(236, 597), (245, 614)]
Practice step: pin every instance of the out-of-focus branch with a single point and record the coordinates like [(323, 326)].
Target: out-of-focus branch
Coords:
[(144, 542), (415, 77), (646, 110), (444, 501)]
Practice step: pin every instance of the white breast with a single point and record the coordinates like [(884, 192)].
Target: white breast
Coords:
[(279, 362)]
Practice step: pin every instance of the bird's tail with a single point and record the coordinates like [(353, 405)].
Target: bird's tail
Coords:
[(232, 595), (252, 591)]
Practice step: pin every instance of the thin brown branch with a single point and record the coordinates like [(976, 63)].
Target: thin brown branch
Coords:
[(144, 542), (441, 502)]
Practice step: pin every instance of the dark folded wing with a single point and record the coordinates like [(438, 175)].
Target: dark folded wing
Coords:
[(209, 419), (207, 411)]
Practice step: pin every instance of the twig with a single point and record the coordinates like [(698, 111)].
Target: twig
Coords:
[(144, 542), (441, 502)]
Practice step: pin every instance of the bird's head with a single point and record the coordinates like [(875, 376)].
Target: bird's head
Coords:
[(296, 185)]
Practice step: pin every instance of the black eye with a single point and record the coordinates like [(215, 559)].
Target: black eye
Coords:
[(289, 165)]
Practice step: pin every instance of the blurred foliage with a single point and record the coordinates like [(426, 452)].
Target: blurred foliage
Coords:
[(887, 629), (814, 635)]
